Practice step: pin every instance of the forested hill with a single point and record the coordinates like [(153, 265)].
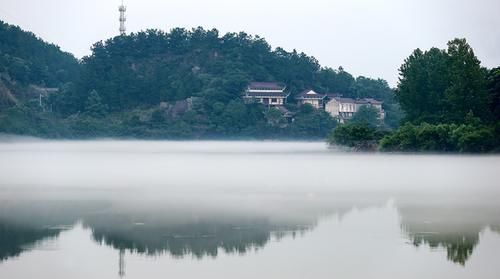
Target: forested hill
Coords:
[(27, 60), (142, 84), (152, 67)]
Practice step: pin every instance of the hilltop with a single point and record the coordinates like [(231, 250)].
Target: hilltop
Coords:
[(130, 86)]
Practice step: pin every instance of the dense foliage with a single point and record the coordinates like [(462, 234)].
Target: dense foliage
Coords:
[(26, 59), (187, 84), (467, 138), (443, 86), (358, 135), (150, 67), (493, 82), (451, 103), (367, 115)]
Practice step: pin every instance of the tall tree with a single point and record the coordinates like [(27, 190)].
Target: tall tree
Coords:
[(443, 85), (368, 115), (94, 106), (494, 90), (422, 83), (467, 87)]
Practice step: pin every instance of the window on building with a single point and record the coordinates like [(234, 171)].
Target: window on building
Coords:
[(274, 100)]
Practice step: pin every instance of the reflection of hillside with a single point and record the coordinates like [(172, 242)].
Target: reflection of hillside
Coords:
[(24, 223), (194, 231), (202, 239), (203, 226), (453, 228), (14, 239), (234, 224)]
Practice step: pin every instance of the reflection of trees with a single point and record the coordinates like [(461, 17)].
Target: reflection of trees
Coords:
[(201, 230), (181, 229), (24, 223), (455, 228), (458, 247), (14, 239), (199, 239)]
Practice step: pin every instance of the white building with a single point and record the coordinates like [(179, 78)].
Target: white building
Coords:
[(311, 97), (267, 93), (345, 108)]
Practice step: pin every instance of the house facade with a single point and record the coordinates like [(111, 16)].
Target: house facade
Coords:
[(267, 93), (273, 94), (345, 108), (312, 98)]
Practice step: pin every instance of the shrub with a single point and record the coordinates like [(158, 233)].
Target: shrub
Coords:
[(466, 138), (354, 135)]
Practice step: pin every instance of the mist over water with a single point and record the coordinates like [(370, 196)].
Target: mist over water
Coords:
[(237, 165), (287, 208)]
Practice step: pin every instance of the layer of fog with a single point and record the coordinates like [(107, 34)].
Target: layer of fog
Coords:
[(242, 166)]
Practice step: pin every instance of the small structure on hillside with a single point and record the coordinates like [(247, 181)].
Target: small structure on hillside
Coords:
[(267, 93), (311, 97), (345, 108), (177, 108), (42, 94)]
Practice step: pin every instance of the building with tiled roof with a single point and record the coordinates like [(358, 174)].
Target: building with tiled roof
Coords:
[(312, 98), (267, 93), (344, 108)]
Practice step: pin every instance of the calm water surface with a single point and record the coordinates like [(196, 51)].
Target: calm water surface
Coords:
[(118, 209)]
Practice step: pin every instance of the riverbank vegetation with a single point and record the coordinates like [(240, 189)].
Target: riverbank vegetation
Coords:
[(188, 84), (451, 104)]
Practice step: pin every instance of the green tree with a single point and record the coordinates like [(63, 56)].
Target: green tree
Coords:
[(439, 86), (467, 87), (358, 135), (372, 88), (471, 137), (94, 106), (275, 118), (311, 123), (367, 115), (424, 78), (494, 91)]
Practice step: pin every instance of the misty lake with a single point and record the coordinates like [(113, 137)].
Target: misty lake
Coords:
[(139, 209)]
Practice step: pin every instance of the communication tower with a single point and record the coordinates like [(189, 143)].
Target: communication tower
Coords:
[(122, 10)]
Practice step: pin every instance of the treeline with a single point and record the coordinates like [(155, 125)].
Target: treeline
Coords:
[(131, 86), (187, 84), (150, 67), (451, 104), (26, 59)]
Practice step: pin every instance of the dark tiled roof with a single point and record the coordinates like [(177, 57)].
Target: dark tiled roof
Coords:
[(344, 100), (266, 86), (372, 101), (310, 94), (333, 95), (365, 101), (265, 94)]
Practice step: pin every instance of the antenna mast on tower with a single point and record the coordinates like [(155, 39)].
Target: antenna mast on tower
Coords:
[(122, 10)]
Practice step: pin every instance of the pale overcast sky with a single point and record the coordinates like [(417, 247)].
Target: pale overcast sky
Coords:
[(366, 37)]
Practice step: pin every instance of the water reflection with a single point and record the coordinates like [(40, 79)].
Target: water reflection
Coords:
[(181, 228), (294, 210), (15, 239), (452, 227), (168, 226)]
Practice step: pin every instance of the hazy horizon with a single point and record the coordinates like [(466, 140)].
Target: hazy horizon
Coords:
[(368, 38)]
